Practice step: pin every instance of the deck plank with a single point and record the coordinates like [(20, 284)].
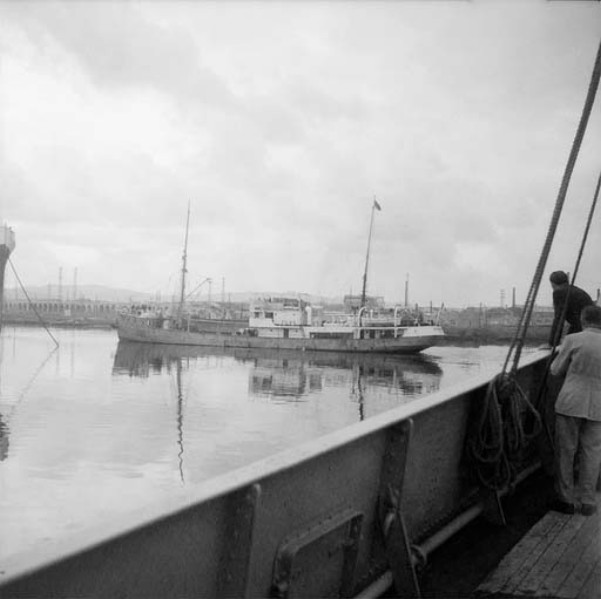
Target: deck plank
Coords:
[(571, 558), (551, 560), (592, 587), (574, 583), (559, 558), (530, 560), (515, 559)]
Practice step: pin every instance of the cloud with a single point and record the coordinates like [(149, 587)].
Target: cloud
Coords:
[(280, 123), (119, 48)]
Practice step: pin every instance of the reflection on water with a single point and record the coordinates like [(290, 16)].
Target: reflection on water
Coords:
[(96, 427), (291, 375), (3, 439), (371, 383)]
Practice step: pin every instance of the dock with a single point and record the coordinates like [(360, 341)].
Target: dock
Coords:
[(558, 558)]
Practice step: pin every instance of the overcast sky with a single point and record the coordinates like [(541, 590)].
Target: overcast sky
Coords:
[(280, 122)]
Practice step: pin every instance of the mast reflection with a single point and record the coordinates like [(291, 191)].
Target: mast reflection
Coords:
[(180, 420)]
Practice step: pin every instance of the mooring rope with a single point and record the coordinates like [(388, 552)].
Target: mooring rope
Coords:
[(506, 419)]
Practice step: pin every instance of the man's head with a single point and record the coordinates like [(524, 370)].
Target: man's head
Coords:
[(591, 317), (558, 279)]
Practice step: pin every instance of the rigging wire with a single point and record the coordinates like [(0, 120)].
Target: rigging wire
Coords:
[(558, 330), (506, 419), (518, 341), (583, 243), (543, 386), (30, 302)]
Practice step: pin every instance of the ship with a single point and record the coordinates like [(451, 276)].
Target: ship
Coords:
[(288, 323)]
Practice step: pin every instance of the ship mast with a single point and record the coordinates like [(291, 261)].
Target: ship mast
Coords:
[(375, 206), (184, 268)]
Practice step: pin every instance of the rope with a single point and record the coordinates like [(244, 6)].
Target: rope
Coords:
[(506, 420), (586, 230), (506, 423), (557, 335), (564, 310), (30, 302), (518, 341)]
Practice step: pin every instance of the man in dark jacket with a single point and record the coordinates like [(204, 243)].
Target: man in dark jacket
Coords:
[(576, 299)]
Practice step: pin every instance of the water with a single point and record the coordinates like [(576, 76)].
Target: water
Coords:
[(96, 428)]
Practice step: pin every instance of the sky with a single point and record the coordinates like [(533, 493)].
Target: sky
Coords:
[(278, 123)]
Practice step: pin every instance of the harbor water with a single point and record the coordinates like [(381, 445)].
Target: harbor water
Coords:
[(95, 428)]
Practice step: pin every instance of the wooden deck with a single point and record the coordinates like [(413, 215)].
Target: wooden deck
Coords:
[(560, 557)]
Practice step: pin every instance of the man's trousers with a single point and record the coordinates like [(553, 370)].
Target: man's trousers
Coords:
[(577, 438)]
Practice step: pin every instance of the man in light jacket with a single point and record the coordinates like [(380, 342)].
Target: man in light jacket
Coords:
[(578, 415)]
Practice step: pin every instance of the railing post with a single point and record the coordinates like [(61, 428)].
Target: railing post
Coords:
[(396, 541), (235, 565)]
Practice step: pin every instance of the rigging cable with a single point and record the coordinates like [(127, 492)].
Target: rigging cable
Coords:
[(518, 341), (507, 419), (543, 386), (30, 302), (579, 258)]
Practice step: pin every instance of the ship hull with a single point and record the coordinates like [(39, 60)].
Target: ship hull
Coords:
[(142, 333)]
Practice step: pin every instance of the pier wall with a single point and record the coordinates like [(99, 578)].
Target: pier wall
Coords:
[(55, 311)]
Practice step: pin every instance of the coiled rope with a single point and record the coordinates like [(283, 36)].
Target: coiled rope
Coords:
[(506, 420)]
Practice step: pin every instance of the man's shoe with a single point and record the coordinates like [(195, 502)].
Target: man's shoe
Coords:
[(588, 509), (563, 506)]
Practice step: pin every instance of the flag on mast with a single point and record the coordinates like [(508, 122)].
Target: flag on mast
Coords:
[(376, 205)]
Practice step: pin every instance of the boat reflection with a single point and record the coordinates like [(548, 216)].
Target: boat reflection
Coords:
[(292, 375), (3, 439)]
